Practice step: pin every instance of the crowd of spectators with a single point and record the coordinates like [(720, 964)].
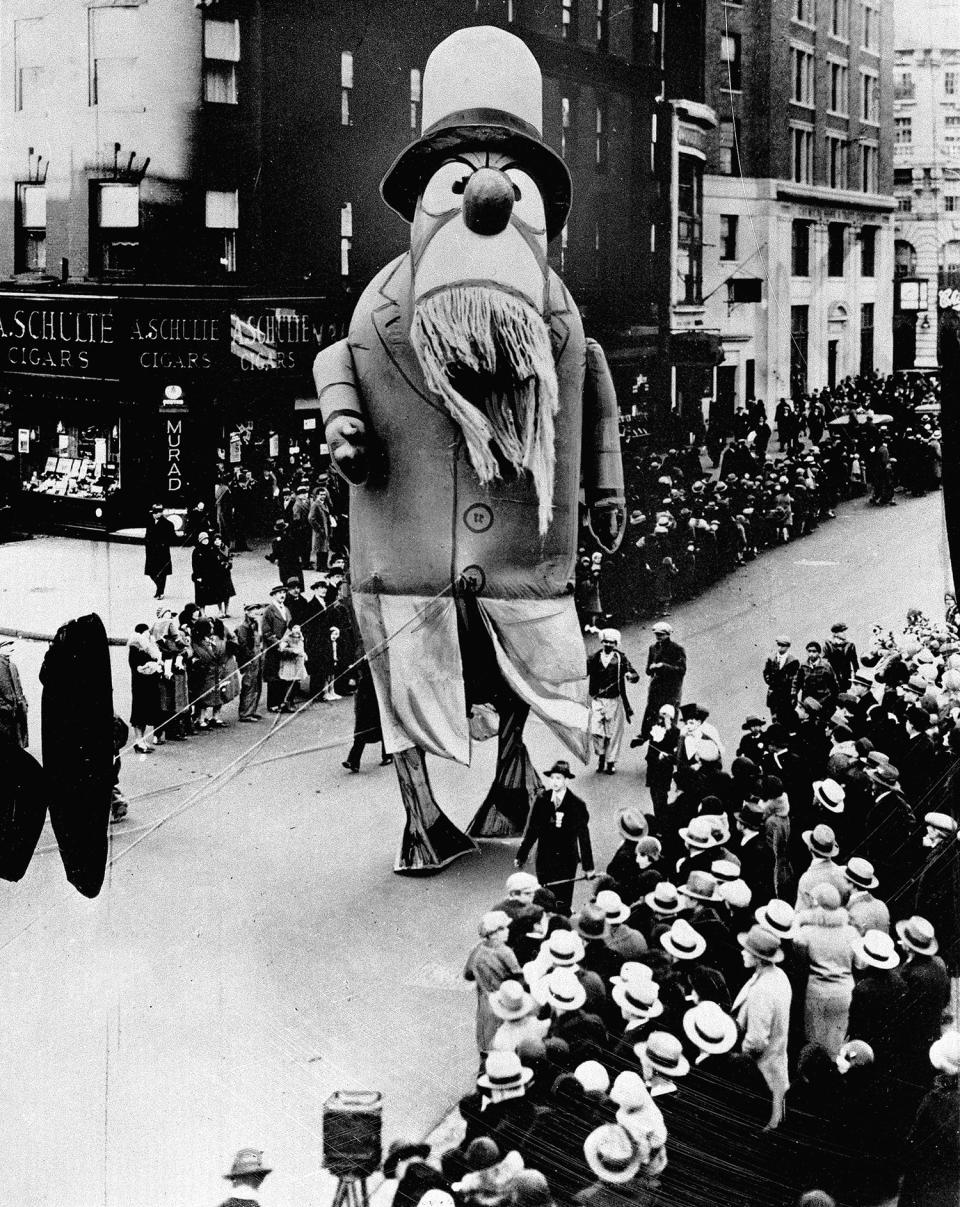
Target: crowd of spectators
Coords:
[(691, 522), (754, 1006)]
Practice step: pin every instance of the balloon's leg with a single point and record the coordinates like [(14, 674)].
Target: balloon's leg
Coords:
[(503, 813), (430, 839)]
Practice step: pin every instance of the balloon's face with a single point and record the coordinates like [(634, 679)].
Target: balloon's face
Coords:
[(480, 220)]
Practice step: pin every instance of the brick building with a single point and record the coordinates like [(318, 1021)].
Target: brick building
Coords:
[(194, 190), (797, 196)]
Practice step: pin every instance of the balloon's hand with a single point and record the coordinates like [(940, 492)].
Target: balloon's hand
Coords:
[(349, 447)]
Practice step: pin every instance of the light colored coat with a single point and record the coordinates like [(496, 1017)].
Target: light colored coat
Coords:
[(762, 1011), (868, 912)]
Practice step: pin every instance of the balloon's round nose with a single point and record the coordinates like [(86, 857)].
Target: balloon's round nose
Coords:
[(487, 201)]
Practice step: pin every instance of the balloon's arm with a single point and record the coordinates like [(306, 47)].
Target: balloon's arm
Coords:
[(602, 463), (344, 419)]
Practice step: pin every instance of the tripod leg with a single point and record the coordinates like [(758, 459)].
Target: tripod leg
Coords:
[(343, 1189)]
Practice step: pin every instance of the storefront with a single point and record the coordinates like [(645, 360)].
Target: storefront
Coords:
[(111, 401)]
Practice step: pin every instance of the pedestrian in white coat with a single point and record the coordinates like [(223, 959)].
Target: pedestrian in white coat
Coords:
[(762, 1011)]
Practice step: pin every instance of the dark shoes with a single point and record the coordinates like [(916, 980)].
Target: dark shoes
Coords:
[(350, 766)]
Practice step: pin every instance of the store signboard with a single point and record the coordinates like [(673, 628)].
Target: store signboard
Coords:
[(59, 336), (116, 339)]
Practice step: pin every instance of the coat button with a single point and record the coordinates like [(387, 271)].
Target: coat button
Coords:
[(478, 517)]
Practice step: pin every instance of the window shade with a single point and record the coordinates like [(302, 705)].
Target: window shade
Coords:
[(222, 210), (33, 205), (119, 206), (221, 40)]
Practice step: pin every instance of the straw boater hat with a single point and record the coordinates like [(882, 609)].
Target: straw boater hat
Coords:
[(632, 970), (662, 626), (701, 886), (612, 1154), (762, 944), (942, 822), (917, 935), (778, 918), (638, 998), (482, 87), (563, 948), (503, 1071), (629, 1091), (725, 871), (665, 900), (876, 949), (821, 842), (860, 873), (665, 1053), (592, 1076), (682, 941), (830, 794), (610, 637), (699, 834), (511, 1001), (710, 1028), (563, 990), (632, 824), (613, 907)]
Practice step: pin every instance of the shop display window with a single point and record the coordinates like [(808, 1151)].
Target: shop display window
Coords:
[(80, 461)]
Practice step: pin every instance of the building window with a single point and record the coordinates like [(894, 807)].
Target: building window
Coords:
[(346, 237), (566, 125), (730, 57), (801, 154), (871, 27), (221, 54), (805, 11), (903, 130), (836, 162), (801, 71), (903, 87), (564, 245), (602, 149), (868, 251), (656, 47), (839, 88), (728, 236), (690, 229), (904, 259), (800, 248), (799, 337), (221, 215), (28, 59), (904, 205), (114, 81), (869, 97), (836, 247), (866, 338), (950, 203), (416, 98), (30, 240), (509, 12), (653, 142), (729, 148), (949, 265), (568, 19), (840, 18), (603, 25), (951, 124), (346, 88), (950, 83), (869, 167), (115, 247)]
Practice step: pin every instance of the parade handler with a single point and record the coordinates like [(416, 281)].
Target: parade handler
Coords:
[(457, 408), (609, 671)]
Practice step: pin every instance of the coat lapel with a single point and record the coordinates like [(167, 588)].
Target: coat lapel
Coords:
[(391, 320)]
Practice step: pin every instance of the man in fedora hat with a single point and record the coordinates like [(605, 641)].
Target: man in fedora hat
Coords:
[(937, 895), (917, 755), (866, 911), (623, 866), (926, 991), (666, 668), (890, 838), (816, 680), (609, 671), (821, 842), (13, 702), (466, 371), (246, 1176), (559, 827), (249, 641), (273, 625)]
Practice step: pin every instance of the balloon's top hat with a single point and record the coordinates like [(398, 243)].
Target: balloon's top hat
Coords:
[(482, 87)]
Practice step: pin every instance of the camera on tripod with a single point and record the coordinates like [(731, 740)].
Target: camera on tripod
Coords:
[(352, 1142)]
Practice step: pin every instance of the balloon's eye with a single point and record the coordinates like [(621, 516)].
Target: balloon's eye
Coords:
[(458, 186), (516, 192)]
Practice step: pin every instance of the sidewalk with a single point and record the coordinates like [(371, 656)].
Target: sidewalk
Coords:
[(51, 579)]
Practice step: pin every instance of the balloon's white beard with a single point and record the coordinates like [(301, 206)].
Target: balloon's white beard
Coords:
[(497, 348)]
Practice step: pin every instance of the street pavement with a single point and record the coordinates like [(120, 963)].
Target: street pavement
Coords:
[(252, 952)]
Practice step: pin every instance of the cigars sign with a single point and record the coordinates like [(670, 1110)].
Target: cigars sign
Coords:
[(117, 339)]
